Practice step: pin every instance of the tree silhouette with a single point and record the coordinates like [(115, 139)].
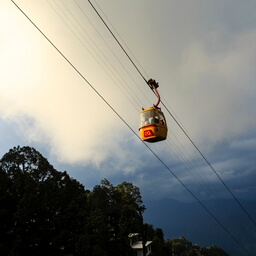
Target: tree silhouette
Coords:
[(46, 212), (45, 207)]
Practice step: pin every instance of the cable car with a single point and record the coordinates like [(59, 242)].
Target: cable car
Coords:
[(153, 127)]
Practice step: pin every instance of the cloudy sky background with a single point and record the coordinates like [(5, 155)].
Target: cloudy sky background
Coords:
[(202, 53)]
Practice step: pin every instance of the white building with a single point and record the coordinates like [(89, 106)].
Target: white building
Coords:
[(138, 245)]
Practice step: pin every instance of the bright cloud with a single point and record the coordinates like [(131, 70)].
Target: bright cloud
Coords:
[(205, 66), (219, 88), (51, 104)]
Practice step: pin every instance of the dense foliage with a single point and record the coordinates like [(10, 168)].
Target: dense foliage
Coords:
[(182, 247), (45, 212)]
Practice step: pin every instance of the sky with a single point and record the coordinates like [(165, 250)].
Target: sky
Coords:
[(82, 111)]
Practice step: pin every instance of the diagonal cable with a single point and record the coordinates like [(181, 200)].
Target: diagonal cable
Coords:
[(177, 122), (122, 119)]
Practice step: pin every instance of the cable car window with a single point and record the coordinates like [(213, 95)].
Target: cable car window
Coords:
[(162, 118), (156, 118), (147, 118)]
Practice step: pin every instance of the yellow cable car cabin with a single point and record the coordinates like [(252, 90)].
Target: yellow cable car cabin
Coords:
[(153, 127)]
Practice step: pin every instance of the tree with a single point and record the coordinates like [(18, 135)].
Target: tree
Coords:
[(213, 251), (131, 208), (115, 212), (158, 246), (99, 238), (182, 247), (46, 212), (46, 207), (6, 212)]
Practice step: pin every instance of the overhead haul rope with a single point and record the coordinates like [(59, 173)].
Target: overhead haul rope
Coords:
[(111, 50), (150, 82), (109, 105), (179, 154), (118, 41), (102, 62), (176, 121)]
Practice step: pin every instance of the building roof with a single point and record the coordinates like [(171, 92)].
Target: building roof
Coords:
[(133, 234), (139, 245)]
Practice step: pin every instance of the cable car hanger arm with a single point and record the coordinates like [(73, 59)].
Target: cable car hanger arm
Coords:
[(153, 85)]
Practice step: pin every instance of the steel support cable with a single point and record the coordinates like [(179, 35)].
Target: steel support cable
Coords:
[(111, 65), (115, 37), (176, 121), (135, 133), (122, 48), (129, 96), (134, 57), (192, 168), (111, 50), (209, 164), (196, 172), (117, 41)]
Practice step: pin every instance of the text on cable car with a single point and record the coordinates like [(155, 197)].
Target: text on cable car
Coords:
[(148, 133)]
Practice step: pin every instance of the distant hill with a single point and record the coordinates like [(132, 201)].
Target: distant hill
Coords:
[(193, 222)]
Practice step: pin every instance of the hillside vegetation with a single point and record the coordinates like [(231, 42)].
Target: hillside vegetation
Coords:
[(46, 212)]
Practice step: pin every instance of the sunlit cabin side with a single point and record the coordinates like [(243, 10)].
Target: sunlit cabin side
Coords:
[(153, 127)]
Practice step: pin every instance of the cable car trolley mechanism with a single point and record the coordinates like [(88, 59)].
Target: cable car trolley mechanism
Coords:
[(153, 127)]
